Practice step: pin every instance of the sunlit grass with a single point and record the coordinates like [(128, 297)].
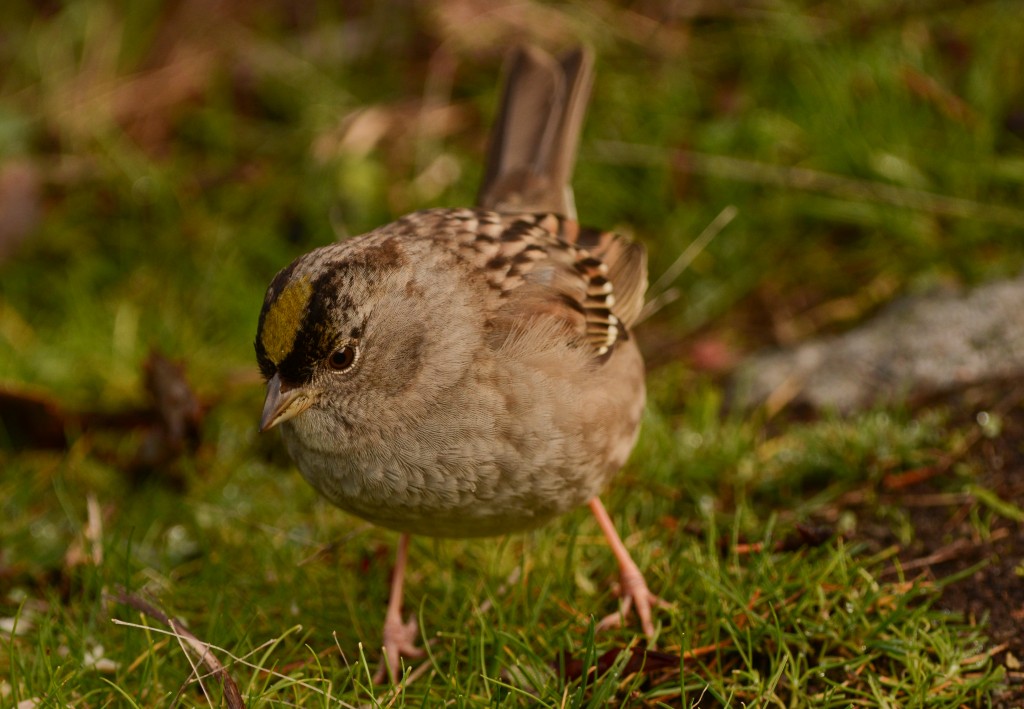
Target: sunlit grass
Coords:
[(163, 223)]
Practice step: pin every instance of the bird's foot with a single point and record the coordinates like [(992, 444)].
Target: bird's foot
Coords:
[(632, 588), (399, 641), (634, 593)]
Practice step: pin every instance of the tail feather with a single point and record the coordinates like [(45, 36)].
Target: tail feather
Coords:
[(533, 146), (627, 269)]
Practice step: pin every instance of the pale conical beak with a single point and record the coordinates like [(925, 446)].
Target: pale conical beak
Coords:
[(282, 403)]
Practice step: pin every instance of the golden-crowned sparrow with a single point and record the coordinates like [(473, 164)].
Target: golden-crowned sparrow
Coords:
[(469, 372)]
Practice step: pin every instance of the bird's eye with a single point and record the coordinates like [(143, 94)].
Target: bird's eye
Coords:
[(342, 358)]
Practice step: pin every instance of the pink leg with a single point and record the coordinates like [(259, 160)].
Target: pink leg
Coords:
[(634, 590), (399, 636)]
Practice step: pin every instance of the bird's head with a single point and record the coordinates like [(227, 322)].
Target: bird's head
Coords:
[(336, 335)]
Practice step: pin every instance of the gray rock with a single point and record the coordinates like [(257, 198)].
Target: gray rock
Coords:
[(916, 346)]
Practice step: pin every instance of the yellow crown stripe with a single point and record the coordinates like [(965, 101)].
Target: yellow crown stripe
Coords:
[(281, 324)]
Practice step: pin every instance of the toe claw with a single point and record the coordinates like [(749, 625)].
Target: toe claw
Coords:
[(644, 601)]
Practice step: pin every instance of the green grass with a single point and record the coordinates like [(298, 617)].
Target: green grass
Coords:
[(288, 588), (167, 206)]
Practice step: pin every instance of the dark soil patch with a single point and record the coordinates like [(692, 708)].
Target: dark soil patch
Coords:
[(947, 542)]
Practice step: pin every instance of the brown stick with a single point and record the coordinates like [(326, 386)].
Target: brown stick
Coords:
[(232, 697)]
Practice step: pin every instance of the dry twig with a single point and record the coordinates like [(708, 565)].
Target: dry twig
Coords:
[(232, 697)]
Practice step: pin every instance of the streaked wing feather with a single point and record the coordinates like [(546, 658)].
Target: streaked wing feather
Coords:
[(544, 266)]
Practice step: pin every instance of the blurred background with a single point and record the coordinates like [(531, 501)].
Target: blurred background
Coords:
[(160, 160)]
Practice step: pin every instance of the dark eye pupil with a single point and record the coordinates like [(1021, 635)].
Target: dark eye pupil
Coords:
[(343, 358)]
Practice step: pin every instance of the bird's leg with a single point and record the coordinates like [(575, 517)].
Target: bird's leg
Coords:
[(634, 591), (399, 635)]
